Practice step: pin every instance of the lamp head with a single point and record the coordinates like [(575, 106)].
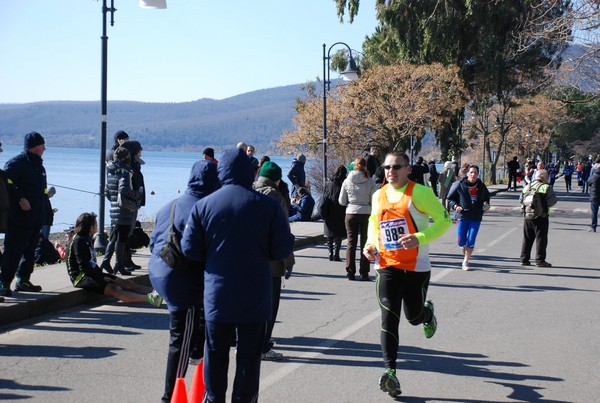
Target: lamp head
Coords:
[(156, 4), (351, 72)]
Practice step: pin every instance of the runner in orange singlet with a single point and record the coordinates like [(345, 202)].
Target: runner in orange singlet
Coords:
[(398, 235)]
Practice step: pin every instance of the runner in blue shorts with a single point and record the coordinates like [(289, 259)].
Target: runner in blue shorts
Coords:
[(469, 198)]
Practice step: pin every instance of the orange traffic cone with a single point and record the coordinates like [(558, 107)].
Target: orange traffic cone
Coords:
[(179, 392), (198, 387)]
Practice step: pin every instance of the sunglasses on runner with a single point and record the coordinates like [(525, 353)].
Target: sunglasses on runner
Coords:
[(394, 167)]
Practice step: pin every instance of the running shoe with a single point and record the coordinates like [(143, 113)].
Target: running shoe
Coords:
[(154, 299), (463, 249), (465, 265), (27, 286), (272, 356), (430, 327), (389, 383)]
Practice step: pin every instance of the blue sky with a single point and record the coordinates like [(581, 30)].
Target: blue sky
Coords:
[(194, 49)]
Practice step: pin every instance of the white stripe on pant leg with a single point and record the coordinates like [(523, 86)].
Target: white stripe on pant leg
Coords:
[(186, 342)]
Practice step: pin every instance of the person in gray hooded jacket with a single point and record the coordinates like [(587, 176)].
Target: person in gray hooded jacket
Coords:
[(356, 193)]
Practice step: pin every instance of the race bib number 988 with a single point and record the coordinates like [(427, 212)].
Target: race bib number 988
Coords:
[(391, 231)]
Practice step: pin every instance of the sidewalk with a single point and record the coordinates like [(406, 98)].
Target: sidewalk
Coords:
[(58, 293)]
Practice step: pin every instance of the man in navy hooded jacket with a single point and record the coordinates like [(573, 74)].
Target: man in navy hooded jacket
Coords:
[(181, 290), (236, 231)]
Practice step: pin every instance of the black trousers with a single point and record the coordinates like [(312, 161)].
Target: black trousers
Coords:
[(274, 309), (356, 225), (395, 288), (19, 254), (187, 340), (535, 230), (219, 338)]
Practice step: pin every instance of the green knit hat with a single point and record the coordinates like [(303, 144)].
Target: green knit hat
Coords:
[(270, 170)]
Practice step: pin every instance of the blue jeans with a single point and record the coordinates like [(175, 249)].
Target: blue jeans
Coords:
[(467, 230), (219, 339), (594, 206)]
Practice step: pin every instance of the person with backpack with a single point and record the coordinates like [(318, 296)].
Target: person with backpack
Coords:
[(536, 200), (182, 289), (593, 184)]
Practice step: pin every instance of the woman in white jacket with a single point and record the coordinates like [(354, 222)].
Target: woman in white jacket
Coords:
[(356, 193)]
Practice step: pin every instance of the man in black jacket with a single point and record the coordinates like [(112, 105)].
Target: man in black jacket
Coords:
[(513, 169), (418, 170), (27, 188)]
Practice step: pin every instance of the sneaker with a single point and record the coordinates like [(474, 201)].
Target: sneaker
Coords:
[(27, 286), (154, 299), (465, 265), (389, 383), (525, 263), (430, 328), (351, 277), (365, 277), (543, 263), (463, 249), (272, 356)]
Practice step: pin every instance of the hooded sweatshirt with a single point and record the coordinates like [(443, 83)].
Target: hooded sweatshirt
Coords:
[(237, 231), (356, 193), (180, 289), (137, 180)]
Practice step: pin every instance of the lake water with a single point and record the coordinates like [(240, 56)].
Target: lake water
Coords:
[(75, 173)]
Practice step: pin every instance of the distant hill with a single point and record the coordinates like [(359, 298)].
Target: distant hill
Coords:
[(257, 117)]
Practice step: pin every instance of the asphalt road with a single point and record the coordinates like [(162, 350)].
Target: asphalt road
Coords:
[(505, 332)]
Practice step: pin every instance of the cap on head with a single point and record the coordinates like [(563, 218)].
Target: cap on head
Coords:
[(121, 135), (33, 140), (301, 158), (209, 151), (270, 170)]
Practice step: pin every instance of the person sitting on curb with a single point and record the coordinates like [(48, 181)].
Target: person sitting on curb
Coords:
[(302, 209), (85, 273)]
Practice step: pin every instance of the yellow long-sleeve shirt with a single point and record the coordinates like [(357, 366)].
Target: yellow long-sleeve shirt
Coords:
[(423, 204)]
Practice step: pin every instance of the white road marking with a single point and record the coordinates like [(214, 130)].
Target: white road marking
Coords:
[(500, 238), (287, 368)]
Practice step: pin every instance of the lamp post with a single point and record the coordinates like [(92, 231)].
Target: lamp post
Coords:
[(350, 74), (100, 242), (487, 127)]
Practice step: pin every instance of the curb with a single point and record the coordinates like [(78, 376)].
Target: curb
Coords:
[(37, 304)]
